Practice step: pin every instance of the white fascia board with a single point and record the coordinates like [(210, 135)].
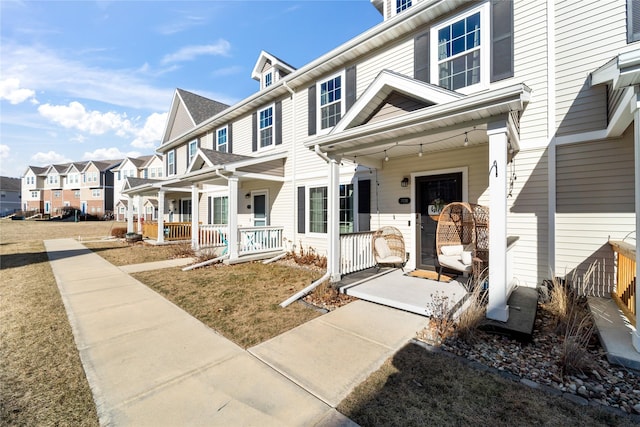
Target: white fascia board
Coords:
[(254, 161)]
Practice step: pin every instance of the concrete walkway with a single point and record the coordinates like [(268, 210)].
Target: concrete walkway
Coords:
[(150, 363)]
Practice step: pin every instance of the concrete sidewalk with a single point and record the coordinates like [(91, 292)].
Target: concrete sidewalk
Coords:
[(150, 363)]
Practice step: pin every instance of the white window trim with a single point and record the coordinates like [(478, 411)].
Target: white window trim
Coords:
[(215, 196), (191, 157), (169, 153), (307, 209), (226, 144), (342, 75), (273, 127), (264, 78), (394, 8), (353, 180), (267, 213), (485, 47)]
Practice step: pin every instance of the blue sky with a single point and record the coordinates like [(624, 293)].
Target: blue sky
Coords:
[(84, 80)]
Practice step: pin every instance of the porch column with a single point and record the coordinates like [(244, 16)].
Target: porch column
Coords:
[(333, 221), (497, 308), (195, 230), (161, 216), (129, 214), (635, 338), (232, 238), (140, 212)]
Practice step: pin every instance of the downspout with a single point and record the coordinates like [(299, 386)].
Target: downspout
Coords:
[(294, 159)]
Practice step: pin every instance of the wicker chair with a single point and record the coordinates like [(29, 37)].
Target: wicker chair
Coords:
[(388, 247), (462, 238)]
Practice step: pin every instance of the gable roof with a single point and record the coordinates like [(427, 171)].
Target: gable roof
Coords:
[(133, 182), (205, 156), (276, 62), (37, 170), (199, 107), (10, 184)]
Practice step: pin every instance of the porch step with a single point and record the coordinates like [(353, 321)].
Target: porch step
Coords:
[(523, 305), (253, 257)]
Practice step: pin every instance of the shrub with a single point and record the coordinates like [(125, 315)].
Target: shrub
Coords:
[(309, 257), (182, 250), (473, 316), (441, 323), (119, 232)]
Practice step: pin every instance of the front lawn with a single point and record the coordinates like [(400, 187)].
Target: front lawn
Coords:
[(118, 252)]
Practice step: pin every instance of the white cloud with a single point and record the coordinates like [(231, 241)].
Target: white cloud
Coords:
[(112, 153), (49, 157), (11, 91), (4, 151), (229, 71), (75, 116), (185, 23), (188, 53), (150, 134)]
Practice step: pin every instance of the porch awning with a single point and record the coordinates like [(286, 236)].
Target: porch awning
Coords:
[(431, 128)]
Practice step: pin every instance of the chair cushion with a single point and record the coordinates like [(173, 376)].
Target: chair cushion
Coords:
[(451, 250), (466, 257), (391, 259), (453, 262), (382, 248)]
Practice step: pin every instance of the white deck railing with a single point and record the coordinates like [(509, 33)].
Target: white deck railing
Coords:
[(356, 252), (255, 240), (213, 235)]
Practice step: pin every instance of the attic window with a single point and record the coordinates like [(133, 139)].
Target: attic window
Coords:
[(267, 79), (402, 5)]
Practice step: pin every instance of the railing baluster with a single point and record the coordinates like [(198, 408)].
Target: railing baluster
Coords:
[(625, 286)]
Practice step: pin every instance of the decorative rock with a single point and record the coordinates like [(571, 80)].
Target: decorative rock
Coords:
[(582, 391)]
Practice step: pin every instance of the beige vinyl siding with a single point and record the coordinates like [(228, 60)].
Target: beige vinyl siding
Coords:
[(181, 123), (530, 59), (181, 159), (242, 136), (595, 203), (588, 34), (396, 105), (398, 58), (528, 216), (615, 98)]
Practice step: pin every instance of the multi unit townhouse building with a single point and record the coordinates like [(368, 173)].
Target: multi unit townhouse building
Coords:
[(145, 167), (529, 108), (87, 186), (10, 195)]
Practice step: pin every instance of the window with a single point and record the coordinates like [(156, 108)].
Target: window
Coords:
[(76, 194), (193, 148), (318, 210), (56, 194), (35, 195), (152, 172), (346, 208), (460, 50), (633, 21), (159, 170), (221, 139), (265, 126), (171, 163), (220, 210), (95, 192), (330, 102), (268, 79), (402, 5)]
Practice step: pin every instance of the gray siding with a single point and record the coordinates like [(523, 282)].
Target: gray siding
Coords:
[(395, 105), (181, 123)]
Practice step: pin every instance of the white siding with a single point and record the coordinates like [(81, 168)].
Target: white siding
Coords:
[(398, 58), (595, 203)]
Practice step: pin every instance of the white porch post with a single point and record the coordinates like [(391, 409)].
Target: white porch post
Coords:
[(129, 214), (232, 237), (635, 338), (161, 216), (333, 220), (497, 308), (140, 213), (195, 221)]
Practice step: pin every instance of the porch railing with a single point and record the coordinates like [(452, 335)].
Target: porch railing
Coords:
[(356, 252), (625, 289), (172, 230), (150, 229), (260, 239), (213, 235)]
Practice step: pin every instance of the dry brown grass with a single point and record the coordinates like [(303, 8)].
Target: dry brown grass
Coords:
[(20, 231), (119, 252), (42, 382), (419, 388), (239, 301)]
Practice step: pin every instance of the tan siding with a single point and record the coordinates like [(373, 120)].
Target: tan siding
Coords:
[(181, 123), (595, 203), (398, 58), (614, 97), (396, 105), (181, 159), (242, 136), (588, 34)]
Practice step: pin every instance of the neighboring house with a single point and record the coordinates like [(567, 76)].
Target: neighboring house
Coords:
[(527, 107), (87, 186), (10, 195), (147, 167)]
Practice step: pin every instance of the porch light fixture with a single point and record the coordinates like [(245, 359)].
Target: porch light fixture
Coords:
[(386, 157), (404, 182), (420, 152), (247, 196), (466, 139)]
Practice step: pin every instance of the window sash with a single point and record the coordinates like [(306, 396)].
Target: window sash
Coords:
[(330, 102), (318, 207), (346, 213), (221, 140), (193, 148), (171, 164), (459, 58), (265, 122), (402, 5)]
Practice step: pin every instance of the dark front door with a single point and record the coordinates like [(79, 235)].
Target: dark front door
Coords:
[(433, 192)]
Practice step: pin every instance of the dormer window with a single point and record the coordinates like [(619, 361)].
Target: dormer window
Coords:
[(402, 5), (267, 79)]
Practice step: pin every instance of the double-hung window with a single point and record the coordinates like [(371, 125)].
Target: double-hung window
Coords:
[(402, 5), (331, 99), (193, 148), (221, 139), (220, 210), (460, 51), (171, 163), (95, 192), (318, 209), (35, 194), (265, 127), (346, 209)]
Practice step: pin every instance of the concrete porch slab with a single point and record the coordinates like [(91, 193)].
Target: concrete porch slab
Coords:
[(615, 332), (523, 305)]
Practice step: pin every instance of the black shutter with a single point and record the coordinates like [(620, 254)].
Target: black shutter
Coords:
[(421, 58), (209, 209), (230, 138), (301, 211), (254, 132), (364, 205), (350, 87), (166, 164), (312, 110), (501, 39), (633, 20), (278, 114)]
